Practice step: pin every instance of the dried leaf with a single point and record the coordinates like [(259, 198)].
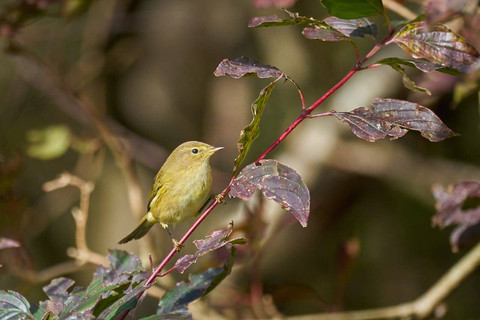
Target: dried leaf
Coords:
[(348, 9), (275, 21), (213, 241), (358, 28), (277, 182), (251, 132), (8, 243), (439, 45), (449, 203), (394, 118), (242, 66)]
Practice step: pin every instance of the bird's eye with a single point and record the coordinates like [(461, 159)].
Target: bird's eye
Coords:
[(194, 150)]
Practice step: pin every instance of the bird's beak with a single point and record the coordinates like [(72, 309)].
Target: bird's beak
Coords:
[(214, 149)]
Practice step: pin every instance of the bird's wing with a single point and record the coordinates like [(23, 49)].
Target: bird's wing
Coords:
[(158, 189)]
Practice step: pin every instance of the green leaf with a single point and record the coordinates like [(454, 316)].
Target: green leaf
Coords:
[(251, 132), (227, 269), (407, 82), (127, 301), (174, 304), (275, 21), (38, 312), (112, 290), (277, 182), (48, 143), (14, 306), (353, 9), (392, 117), (180, 315), (438, 44)]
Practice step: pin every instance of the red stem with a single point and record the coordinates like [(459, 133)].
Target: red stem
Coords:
[(305, 114)]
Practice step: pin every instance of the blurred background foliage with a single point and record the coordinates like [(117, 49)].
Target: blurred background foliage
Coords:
[(144, 69)]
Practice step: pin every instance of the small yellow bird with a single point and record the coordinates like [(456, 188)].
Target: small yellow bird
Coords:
[(180, 188)]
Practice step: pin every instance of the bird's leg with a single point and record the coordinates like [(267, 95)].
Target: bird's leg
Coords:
[(220, 198), (177, 245)]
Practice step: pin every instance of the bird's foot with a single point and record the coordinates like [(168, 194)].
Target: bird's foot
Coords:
[(220, 198), (177, 245)]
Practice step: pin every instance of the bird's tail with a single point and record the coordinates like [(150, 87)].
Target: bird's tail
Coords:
[(140, 230)]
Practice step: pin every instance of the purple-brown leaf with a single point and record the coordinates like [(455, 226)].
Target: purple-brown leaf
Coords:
[(242, 66), (277, 182), (449, 203), (438, 44), (392, 117), (213, 241), (358, 28)]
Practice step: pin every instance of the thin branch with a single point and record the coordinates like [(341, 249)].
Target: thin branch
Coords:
[(421, 307), (40, 76), (48, 273), (81, 253), (320, 115)]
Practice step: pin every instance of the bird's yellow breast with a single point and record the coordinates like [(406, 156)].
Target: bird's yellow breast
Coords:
[(185, 198)]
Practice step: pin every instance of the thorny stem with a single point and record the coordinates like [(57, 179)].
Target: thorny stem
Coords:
[(303, 115)]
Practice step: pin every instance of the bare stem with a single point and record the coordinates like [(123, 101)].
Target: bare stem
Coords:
[(82, 252), (419, 308)]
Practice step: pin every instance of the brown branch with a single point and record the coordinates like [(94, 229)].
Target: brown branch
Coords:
[(82, 252), (421, 307), (46, 81)]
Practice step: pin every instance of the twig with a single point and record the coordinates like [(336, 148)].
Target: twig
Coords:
[(81, 253), (421, 307), (46, 81)]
